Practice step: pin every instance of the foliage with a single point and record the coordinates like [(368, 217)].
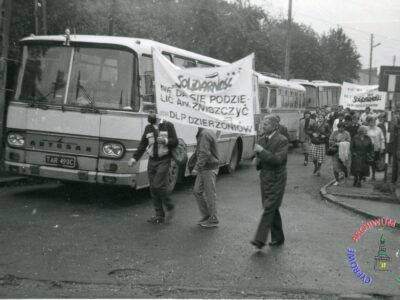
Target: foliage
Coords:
[(216, 28)]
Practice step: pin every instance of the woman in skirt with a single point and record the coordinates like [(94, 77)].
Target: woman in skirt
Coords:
[(320, 132)]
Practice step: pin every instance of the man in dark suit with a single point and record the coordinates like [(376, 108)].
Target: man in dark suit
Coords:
[(271, 156)]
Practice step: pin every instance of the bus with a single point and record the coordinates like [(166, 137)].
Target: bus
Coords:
[(81, 105), (320, 93), (283, 98)]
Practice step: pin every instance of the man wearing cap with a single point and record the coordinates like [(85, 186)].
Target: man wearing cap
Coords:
[(271, 154), (158, 138)]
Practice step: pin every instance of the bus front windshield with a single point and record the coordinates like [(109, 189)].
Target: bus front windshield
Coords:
[(94, 77)]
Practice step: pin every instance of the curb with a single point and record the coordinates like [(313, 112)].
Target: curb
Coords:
[(331, 198), (386, 199)]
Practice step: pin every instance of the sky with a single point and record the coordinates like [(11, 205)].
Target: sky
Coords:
[(358, 18)]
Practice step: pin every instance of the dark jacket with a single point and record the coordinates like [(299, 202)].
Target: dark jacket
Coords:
[(272, 163), (149, 141), (352, 129), (323, 132), (206, 156), (362, 155), (274, 155), (282, 129)]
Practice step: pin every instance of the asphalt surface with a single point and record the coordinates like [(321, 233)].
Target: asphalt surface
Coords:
[(76, 241)]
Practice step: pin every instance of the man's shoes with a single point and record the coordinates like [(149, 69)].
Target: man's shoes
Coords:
[(305, 163), (336, 183), (259, 245), (170, 215), (276, 243), (156, 220), (211, 222), (203, 220)]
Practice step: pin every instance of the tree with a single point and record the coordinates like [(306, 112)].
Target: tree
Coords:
[(340, 59), (224, 30)]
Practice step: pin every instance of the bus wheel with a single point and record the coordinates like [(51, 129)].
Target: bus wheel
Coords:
[(295, 143), (173, 176), (235, 158)]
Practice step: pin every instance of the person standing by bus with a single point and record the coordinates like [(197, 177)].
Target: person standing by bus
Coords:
[(204, 164), (158, 138), (271, 152), (320, 131), (304, 137)]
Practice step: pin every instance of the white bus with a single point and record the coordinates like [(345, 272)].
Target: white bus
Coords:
[(283, 98), (81, 106), (320, 93)]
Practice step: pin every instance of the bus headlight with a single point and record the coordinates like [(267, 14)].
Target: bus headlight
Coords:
[(113, 150), (15, 139)]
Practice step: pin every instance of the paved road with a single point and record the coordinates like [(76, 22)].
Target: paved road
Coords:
[(59, 241)]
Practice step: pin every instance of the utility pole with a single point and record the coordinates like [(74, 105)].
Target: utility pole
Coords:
[(44, 16), (111, 18), (288, 41), (370, 58), (36, 15), (5, 17), (40, 14)]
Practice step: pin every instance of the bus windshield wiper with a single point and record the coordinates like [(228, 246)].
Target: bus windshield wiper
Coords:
[(44, 97), (86, 94)]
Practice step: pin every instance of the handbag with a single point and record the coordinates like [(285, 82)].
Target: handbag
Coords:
[(380, 165), (332, 150), (179, 153)]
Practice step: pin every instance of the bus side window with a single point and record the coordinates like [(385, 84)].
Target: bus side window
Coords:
[(263, 97), (272, 98), (184, 62), (146, 83), (201, 64)]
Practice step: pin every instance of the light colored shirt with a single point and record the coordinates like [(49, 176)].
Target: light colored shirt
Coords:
[(271, 135), (377, 137), (364, 116), (335, 124)]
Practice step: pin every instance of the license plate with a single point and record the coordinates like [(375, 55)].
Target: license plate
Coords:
[(61, 161)]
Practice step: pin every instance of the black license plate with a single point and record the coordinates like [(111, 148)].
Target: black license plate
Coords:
[(61, 161)]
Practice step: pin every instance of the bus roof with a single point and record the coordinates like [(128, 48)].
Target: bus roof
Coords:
[(280, 82), (140, 46), (323, 83), (316, 83)]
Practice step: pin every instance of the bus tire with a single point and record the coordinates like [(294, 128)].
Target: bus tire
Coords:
[(235, 159), (173, 176), (295, 143)]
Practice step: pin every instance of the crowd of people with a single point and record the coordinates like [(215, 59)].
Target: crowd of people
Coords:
[(355, 141)]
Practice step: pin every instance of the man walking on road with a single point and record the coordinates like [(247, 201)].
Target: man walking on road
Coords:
[(205, 163), (158, 139), (271, 153)]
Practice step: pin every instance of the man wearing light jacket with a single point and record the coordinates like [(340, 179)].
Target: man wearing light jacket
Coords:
[(205, 163)]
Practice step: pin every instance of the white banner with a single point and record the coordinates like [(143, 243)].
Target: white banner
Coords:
[(358, 97), (220, 98)]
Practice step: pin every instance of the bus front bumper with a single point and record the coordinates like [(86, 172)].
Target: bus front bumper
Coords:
[(71, 174)]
